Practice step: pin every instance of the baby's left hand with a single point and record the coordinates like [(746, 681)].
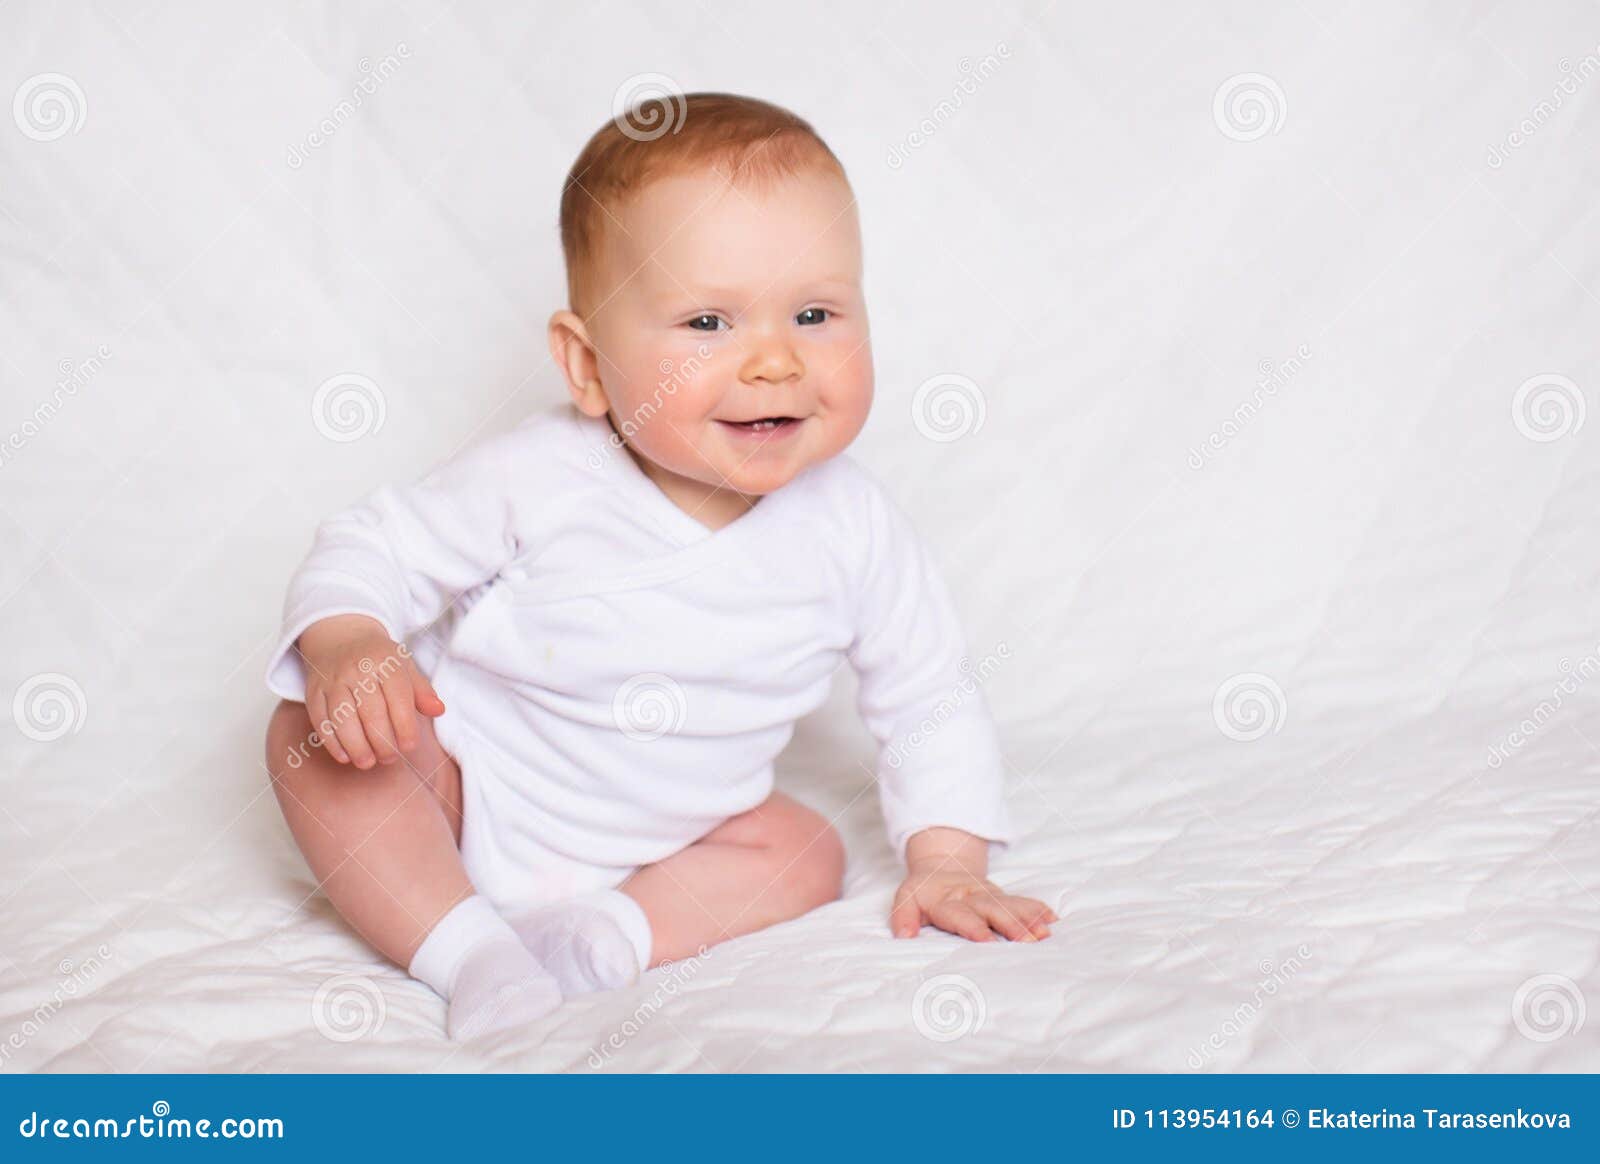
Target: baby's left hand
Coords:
[(951, 898)]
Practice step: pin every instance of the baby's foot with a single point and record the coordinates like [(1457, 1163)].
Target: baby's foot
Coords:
[(499, 985), (598, 942), (474, 959)]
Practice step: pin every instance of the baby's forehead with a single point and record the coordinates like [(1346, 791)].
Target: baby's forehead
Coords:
[(701, 222), (707, 198)]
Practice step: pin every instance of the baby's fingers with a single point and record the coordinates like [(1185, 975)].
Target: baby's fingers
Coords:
[(347, 726), (1036, 915), (317, 706), (375, 722), (1000, 913), (905, 919), (958, 917), (402, 710), (427, 699)]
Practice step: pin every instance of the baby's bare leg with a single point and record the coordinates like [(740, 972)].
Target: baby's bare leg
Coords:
[(768, 865), (383, 842)]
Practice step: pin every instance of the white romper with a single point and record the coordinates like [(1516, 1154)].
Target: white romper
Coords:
[(619, 679)]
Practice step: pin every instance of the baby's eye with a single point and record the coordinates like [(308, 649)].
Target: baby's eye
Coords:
[(705, 323), (812, 315)]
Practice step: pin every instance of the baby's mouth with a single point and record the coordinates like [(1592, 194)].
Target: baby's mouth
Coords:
[(763, 425)]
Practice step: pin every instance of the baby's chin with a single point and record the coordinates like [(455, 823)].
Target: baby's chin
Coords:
[(749, 463), (758, 482), (753, 476), (763, 470)]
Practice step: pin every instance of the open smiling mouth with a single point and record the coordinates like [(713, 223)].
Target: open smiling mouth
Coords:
[(768, 424)]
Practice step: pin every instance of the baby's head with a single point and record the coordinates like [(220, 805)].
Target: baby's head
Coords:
[(717, 316)]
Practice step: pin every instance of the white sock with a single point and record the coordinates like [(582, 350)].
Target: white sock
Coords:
[(600, 941), (474, 959)]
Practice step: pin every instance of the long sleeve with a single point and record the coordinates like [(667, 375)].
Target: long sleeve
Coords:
[(939, 760), (403, 554)]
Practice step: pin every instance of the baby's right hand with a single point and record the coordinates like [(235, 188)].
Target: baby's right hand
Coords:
[(364, 690)]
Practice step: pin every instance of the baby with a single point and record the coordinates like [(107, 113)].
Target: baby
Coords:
[(566, 660)]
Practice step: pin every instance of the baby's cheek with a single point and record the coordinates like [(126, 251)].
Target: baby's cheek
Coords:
[(668, 439), (852, 386)]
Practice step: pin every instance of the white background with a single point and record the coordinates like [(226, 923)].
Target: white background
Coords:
[(1083, 237)]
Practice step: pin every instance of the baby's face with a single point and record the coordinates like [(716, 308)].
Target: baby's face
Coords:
[(733, 348)]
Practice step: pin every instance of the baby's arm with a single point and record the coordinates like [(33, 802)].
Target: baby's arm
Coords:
[(940, 770), (381, 571)]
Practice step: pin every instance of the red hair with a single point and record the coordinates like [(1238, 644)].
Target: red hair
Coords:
[(753, 142)]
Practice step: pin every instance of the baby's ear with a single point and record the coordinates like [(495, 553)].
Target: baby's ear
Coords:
[(573, 352)]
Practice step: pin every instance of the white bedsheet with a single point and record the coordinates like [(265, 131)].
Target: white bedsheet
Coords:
[(1057, 208)]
